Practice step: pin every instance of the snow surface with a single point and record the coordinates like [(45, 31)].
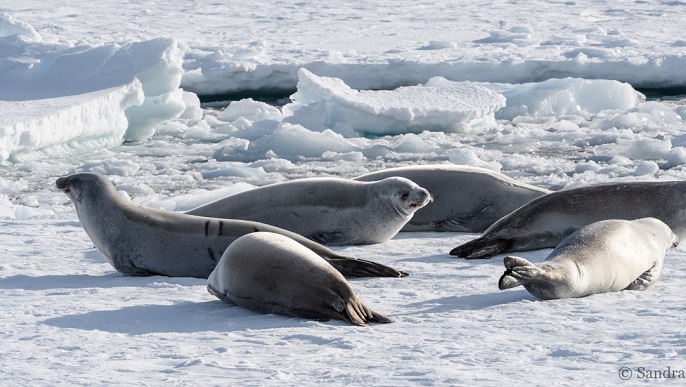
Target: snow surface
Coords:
[(545, 92)]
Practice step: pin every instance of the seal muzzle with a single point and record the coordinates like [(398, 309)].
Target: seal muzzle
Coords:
[(62, 184)]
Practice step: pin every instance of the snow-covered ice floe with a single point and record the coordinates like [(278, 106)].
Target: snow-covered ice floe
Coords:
[(328, 103), (58, 98)]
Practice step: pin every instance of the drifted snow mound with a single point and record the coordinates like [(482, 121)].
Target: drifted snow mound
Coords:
[(290, 142), (17, 29), (557, 97), (56, 98), (568, 96), (328, 103)]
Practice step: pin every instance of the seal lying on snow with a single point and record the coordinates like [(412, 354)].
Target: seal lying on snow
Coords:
[(270, 273), (465, 199), (143, 241), (606, 256), (331, 211), (546, 221)]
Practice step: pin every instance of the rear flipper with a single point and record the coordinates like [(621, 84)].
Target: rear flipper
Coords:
[(480, 248), (648, 278), (353, 267), (519, 271), (358, 314)]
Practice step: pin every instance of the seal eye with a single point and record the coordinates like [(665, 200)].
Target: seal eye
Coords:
[(404, 196)]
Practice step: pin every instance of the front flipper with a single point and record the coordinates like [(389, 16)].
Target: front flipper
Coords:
[(220, 295), (480, 248), (336, 238), (453, 225), (353, 267), (519, 271), (648, 278)]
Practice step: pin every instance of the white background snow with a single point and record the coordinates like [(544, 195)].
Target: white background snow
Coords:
[(557, 94)]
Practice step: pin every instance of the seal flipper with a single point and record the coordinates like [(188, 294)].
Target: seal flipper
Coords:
[(353, 267), (328, 238), (135, 270), (451, 225), (220, 295), (378, 317), (518, 271), (358, 314), (648, 278), (480, 248)]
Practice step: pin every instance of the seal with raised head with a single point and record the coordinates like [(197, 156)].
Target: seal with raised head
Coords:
[(143, 241), (465, 198), (331, 211), (547, 220), (270, 273), (605, 256)]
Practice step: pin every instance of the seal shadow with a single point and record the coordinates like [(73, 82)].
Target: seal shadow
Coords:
[(81, 281), (435, 235), (181, 317), (458, 262), (473, 301), (94, 256), (67, 223)]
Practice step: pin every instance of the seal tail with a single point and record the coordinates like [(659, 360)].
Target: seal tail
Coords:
[(518, 271), (480, 248), (353, 267), (359, 314)]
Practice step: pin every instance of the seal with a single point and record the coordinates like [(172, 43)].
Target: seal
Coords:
[(270, 273), (606, 256), (140, 241), (465, 198), (331, 211), (546, 221)]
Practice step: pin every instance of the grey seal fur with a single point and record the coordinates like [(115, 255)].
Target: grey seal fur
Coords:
[(605, 256), (328, 210), (465, 198), (546, 221), (270, 273), (141, 241)]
